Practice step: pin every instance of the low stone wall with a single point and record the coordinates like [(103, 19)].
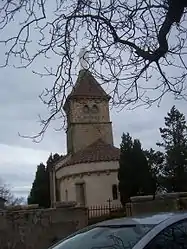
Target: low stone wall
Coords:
[(39, 228), (162, 203)]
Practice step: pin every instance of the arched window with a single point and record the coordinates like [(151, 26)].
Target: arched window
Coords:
[(95, 109), (86, 109), (114, 192)]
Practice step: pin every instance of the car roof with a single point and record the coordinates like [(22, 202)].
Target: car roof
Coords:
[(146, 219)]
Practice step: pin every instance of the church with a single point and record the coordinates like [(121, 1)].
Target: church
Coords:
[(88, 174)]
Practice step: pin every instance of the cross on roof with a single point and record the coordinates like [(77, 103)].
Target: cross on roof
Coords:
[(83, 58)]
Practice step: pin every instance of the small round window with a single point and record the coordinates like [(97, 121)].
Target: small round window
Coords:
[(85, 109), (95, 109)]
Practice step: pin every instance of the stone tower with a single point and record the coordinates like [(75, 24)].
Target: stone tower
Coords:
[(87, 111)]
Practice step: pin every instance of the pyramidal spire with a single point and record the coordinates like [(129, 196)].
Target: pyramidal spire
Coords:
[(87, 86)]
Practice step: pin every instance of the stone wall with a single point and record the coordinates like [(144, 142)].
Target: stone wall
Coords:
[(162, 203), (39, 228)]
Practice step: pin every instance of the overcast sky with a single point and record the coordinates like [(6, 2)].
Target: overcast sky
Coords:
[(19, 107)]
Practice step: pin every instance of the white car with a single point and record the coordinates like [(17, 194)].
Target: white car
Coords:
[(157, 231)]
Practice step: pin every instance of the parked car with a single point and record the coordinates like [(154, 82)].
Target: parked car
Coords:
[(157, 231)]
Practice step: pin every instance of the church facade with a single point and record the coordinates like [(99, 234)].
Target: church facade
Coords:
[(88, 173)]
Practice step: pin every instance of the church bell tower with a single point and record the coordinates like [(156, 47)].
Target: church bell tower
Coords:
[(87, 111)]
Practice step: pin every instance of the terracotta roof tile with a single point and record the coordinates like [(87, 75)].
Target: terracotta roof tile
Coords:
[(96, 152), (87, 86)]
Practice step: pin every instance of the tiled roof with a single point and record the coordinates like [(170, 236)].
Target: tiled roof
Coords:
[(96, 152), (87, 86)]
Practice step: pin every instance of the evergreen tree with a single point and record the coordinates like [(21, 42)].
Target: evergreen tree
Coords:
[(156, 163), (134, 173), (52, 160), (144, 180), (125, 173), (39, 193), (174, 137)]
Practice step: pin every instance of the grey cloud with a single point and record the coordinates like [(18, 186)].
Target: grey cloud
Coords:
[(21, 193), (19, 106), (18, 177), (144, 123), (21, 178)]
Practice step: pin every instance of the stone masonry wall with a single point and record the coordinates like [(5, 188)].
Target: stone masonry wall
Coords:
[(163, 203), (39, 228)]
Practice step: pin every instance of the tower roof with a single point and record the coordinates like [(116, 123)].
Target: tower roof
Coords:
[(87, 86), (96, 152)]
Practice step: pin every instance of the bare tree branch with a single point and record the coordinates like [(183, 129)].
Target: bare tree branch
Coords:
[(6, 194), (136, 47)]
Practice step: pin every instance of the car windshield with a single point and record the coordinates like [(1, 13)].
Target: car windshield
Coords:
[(108, 237)]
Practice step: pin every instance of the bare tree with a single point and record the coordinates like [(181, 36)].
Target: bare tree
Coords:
[(11, 199), (137, 47)]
